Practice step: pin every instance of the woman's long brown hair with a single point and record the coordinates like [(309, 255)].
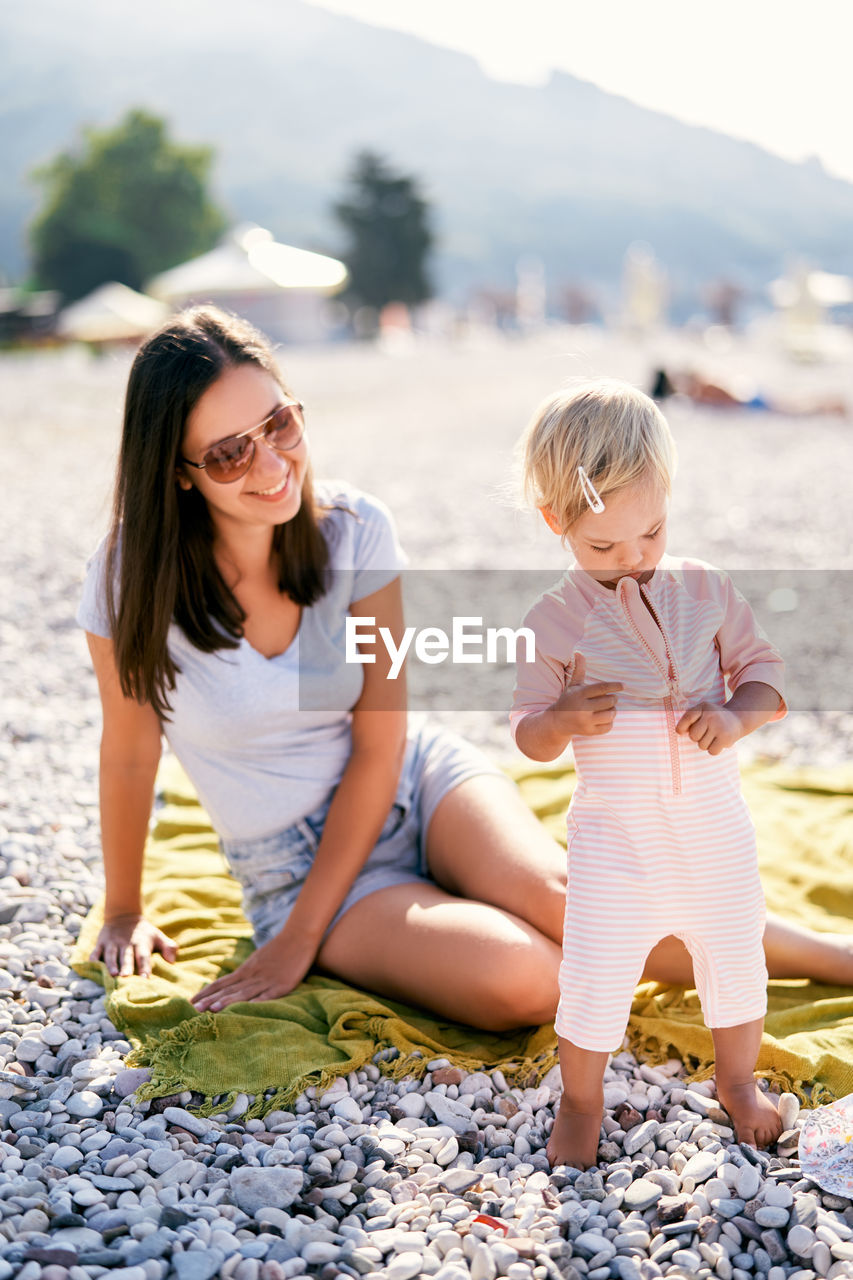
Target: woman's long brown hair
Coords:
[(160, 567)]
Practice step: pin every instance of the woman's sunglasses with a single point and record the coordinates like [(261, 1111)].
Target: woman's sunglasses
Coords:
[(231, 458)]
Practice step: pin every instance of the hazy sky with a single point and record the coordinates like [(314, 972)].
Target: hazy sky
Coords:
[(777, 72)]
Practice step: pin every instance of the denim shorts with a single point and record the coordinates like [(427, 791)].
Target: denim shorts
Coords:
[(272, 869)]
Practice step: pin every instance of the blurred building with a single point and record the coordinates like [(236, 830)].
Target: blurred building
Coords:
[(111, 313), (27, 317), (287, 292)]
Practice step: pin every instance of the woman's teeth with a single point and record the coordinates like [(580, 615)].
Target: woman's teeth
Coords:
[(266, 493)]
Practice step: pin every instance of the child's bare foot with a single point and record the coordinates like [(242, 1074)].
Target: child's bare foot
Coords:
[(754, 1116), (575, 1136)]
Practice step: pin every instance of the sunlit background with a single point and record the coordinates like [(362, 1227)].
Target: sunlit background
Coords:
[(439, 212), (768, 71)]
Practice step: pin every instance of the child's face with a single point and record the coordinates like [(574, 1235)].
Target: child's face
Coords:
[(627, 539)]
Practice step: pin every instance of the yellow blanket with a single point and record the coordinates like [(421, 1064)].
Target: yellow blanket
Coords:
[(325, 1029)]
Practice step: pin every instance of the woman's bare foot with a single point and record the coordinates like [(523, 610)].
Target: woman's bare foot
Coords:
[(754, 1116), (575, 1136)]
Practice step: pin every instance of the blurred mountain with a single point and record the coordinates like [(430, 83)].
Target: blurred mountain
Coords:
[(287, 93)]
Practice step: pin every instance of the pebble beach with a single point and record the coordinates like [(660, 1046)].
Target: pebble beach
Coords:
[(444, 1176)]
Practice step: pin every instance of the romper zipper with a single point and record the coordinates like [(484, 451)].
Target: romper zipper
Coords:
[(671, 676)]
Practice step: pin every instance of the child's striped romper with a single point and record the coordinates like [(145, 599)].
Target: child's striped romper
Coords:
[(659, 838)]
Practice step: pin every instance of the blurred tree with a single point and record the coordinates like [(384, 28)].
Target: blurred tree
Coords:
[(388, 226), (130, 203)]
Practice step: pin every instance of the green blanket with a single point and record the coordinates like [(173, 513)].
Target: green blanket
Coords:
[(326, 1029)]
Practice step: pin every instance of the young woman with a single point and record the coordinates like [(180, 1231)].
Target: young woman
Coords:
[(395, 857)]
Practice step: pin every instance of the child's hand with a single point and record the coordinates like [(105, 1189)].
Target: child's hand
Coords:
[(585, 709), (712, 727)]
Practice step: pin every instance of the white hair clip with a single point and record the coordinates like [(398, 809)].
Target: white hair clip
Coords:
[(593, 497)]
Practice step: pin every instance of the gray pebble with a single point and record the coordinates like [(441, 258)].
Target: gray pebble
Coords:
[(590, 1243), (643, 1193), (255, 1189), (193, 1124), (639, 1136), (128, 1080), (196, 1264), (771, 1216)]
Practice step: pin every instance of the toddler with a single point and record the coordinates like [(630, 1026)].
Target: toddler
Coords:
[(634, 649)]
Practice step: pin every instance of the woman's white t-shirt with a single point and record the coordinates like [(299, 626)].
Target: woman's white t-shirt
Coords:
[(265, 740)]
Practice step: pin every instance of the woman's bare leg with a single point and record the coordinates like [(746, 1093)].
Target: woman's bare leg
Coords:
[(464, 960), (483, 946), (484, 843), (791, 951)]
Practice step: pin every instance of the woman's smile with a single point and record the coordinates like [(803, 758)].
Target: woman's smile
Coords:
[(275, 491)]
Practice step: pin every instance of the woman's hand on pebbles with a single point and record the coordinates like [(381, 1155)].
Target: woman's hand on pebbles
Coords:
[(270, 972), (126, 943), (712, 727), (585, 709)]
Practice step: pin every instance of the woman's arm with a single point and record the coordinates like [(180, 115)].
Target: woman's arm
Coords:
[(130, 752), (367, 788), (360, 805)]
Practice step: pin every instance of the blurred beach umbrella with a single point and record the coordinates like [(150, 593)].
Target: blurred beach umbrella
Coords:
[(282, 289), (111, 313)]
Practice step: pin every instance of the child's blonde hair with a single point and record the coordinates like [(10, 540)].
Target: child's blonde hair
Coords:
[(615, 432)]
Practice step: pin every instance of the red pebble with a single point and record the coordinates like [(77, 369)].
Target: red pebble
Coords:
[(447, 1075), (492, 1222)]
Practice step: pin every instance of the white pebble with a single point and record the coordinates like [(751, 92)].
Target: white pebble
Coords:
[(347, 1108), (405, 1266), (789, 1109), (54, 1035), (412, 1104), (84, 1104), (319, 1251), (748, 1181), (29, 1048)]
